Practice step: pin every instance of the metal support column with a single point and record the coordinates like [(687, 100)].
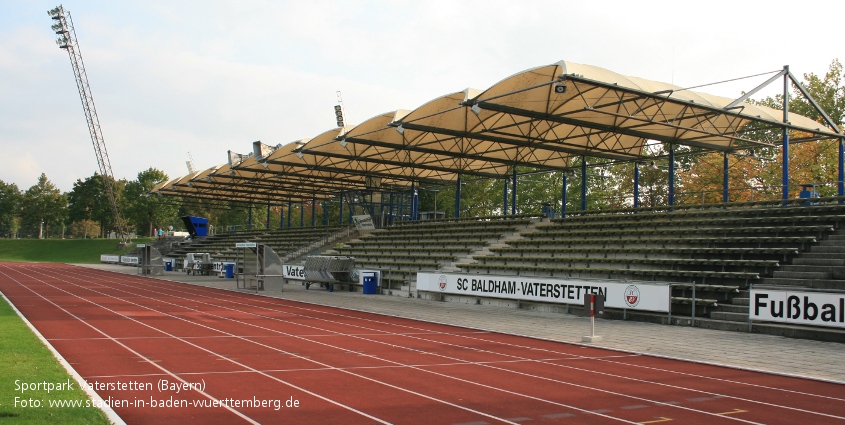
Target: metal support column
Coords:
[(290, 212), (563, 197), (725, 179), (267, 221), (457, 199), (841, 191), (513, 193), (281, 216), (785, 152), (325, 214), (313, 211), (671, 174), (390, 211), (636, 185), (505, 199), (249, 218), (341, 209), (413, 198), (301, 214), (583, 183)]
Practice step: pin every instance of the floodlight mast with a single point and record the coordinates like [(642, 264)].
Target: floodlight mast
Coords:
[(66, 39)]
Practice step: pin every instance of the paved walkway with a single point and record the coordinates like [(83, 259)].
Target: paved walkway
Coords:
[(812, 359)]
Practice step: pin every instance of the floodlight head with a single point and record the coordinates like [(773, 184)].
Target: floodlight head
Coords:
[(299, 155), (475, 109), (343, 143), (560, 88), (400, 129)]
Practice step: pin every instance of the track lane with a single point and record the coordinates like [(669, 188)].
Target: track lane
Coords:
[(322, 317)]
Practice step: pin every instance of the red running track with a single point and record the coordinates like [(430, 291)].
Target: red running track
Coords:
[(240, 358)]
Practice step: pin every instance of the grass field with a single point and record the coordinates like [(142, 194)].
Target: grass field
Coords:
[(75, 251), (24, 359)]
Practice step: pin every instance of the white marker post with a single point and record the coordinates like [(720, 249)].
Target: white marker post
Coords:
[(593, 302)]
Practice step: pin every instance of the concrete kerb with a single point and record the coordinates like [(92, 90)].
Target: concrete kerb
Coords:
[(753, 352)]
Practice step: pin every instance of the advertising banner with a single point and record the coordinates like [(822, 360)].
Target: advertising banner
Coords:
[(295, 272), (800, 308), (628, 295)]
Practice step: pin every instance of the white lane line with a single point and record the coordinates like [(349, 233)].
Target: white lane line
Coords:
[(263, 345), (169, 373), (555, 364), (443, 356), (197, 346)]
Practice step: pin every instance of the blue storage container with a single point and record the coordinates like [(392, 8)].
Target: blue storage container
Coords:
[(370, 285)]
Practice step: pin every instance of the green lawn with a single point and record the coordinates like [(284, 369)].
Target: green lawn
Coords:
[(24, 359), (77, 251)]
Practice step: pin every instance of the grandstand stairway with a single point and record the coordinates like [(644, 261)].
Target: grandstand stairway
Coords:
[(821, 267)]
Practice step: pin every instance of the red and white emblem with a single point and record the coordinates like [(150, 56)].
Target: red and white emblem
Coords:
[(443, 282), (632, 296)]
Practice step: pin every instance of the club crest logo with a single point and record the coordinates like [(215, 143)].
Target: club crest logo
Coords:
[(443, 282), (632, 296)]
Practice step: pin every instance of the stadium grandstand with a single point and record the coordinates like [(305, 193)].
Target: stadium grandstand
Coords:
[(722, 264)]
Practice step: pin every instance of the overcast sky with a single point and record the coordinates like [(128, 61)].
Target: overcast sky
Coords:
[(173, 77)]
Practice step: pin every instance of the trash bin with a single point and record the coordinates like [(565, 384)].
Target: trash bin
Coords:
[(370, 285), (230, 270), (168, 266)]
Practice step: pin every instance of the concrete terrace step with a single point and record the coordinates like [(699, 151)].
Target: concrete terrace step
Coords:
[(733, 308), (806, 283), (801, 275), (812, 268), (730, 316), (812, 261), (827, 250)]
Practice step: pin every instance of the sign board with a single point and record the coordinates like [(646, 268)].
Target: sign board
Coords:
[(296, 272), (104, 258), (627, 295), (125, 259), (142, 245), (363, 222), (245, 244), (798, 307)]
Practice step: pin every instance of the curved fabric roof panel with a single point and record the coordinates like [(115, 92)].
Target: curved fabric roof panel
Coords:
[(288, 162), (334, 150), (600, 112), (540, 118), (438, 140)]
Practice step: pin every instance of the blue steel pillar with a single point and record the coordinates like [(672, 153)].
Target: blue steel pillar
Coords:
[(583, 183), (457, 199), (341, 209), (841, 184), (505, 199), (313, 211), (636, 185), (563, 197), (390, 211), (785, 134), (249, 218), (301, 214), (281, 216), (325, 214), (267, 224), (671, 174), (290, 212), (725, 179), (513, 193), (413, 199)]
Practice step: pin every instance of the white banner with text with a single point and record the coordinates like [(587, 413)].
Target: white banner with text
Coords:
[(628, 295), (797, 307), (295, 272)]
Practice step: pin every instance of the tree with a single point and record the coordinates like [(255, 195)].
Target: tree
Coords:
[(43, 205), (145, 211), (10, 203), (85, 228)]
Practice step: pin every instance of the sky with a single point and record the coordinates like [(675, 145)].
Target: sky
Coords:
[(178, 79)]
